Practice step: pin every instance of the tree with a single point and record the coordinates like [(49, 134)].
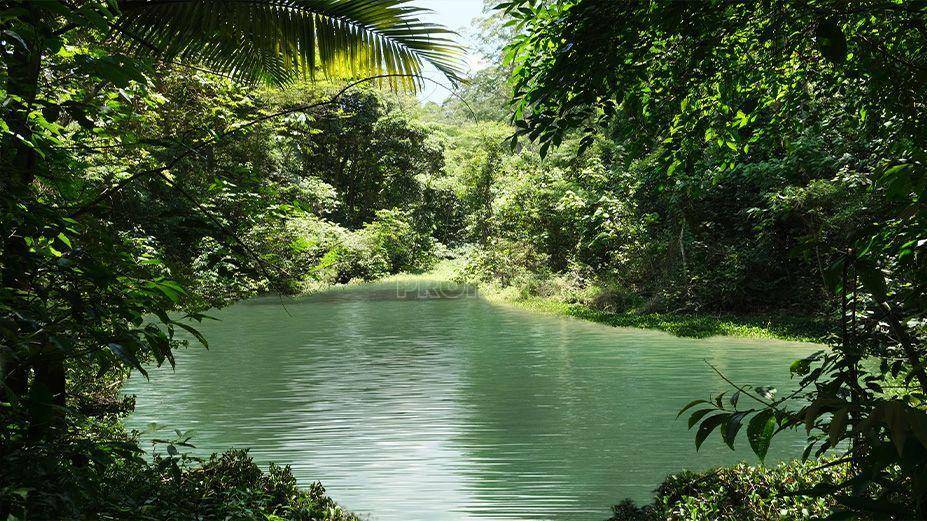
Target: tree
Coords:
[(711, 88), (487, 94), (267, 41), (83, 297), (371, 153)]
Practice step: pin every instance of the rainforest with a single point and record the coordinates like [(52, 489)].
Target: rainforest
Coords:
[(463, 259)]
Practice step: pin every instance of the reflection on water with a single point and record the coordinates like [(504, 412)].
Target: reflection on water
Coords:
[(450, 408)]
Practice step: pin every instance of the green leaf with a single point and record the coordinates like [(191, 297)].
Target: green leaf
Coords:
[(64, 239), (918, 421), (167, 290), (897, 421), (833, 276), (807, 452), (838, 425), (732, 426), (707, 427), (337, 38), (760, 431), (127, 356), (690, 405), (698, 415), (897, 181), (800, 366), (190, 329)]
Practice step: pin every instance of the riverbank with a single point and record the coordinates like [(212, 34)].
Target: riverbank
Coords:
[(693, 325), (778, 327)]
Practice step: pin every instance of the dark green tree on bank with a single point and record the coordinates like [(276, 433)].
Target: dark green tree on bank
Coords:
[(727, 97), (78, 285)]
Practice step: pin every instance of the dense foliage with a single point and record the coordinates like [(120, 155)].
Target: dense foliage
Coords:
[(137, 187), (684, 161), (308, 216), (739, 492), (172, 486), (782, 146), (683, 199)]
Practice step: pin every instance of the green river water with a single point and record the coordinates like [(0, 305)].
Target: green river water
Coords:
[(413, 401)]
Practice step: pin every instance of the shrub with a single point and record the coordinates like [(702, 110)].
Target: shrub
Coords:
[(351, 259), (230, 486), (507, 262), (739, 492), (389, 244), (393, 236), (73, 480)]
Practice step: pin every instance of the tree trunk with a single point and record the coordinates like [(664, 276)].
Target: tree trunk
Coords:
[(19, 170)]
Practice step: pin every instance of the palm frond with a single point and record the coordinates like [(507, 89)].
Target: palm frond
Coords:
[(273, 40)]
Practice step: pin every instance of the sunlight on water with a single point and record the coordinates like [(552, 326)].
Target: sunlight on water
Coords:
[(450, 408)]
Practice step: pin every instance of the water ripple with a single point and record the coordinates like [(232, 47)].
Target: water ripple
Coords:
[(451, 408)]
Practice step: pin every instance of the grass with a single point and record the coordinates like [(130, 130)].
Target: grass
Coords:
[(693, 325)]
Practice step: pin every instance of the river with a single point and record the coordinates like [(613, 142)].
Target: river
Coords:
[(415, 401)]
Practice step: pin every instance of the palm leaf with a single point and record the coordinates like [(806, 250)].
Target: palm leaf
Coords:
[(272, 40)]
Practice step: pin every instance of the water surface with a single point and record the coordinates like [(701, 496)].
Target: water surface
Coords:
[(452, 408)]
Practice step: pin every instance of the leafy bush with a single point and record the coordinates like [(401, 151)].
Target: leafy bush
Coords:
[(77, 480), (737, 493), (226, 486), (393, 236), (302, 252), (388, 245), (352, 259), (507, 262)]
